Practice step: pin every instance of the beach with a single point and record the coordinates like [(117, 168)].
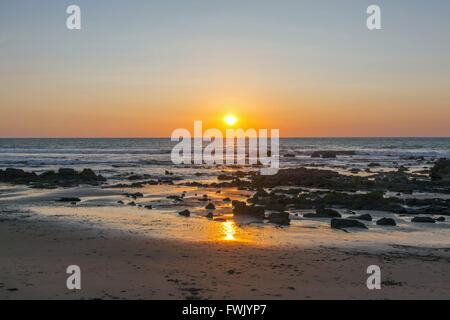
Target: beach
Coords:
[(146, 229), (119, 265)]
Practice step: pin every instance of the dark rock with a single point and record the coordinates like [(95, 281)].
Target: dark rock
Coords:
[(224, 177), (67, 172), (241, 209), (120, 202), (135, 177), (210, 215), (366, 217), (374, 164), (185, 213), (69, 199), (386, 222), (260, 194), (337, 223), (210, 206), (148, 206), (423, 219), (134, 195), (226, 199), (132, 203), (281, 218), (441, 171), (323, 213), (440, 219), (65, 177)]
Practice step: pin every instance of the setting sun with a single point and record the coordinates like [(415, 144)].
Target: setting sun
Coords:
[(230, 120)]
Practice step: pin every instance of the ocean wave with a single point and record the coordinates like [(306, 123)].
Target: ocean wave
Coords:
[(85, 151)]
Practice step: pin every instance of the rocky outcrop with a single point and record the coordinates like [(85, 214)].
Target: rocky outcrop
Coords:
[(240, 208), (337, 223), (210, 206), (69, 199), (386, 222), (64, 177), (423, 219), (281, 218), (365, 217), (185, 213), (323, 213), (441, 171)]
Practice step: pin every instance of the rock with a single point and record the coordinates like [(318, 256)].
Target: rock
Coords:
[(374, 164), (281, 218), (210, 215), (65, 177), (441, 171), (261, 194), (423, 219), (323, 213), (226, 199), (337, 223), (440, 219), (386, 222), (132, 203), (224, 177), (120, 202), (174, 197), (185, 213), (11, 173), (210, 206), (135, 177), (366, 217), (148, 206), (69, 199), (134, 195), (67, 172), (241, 209)]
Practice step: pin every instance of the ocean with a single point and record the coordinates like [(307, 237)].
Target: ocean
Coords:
[(117, 159), (112, 156)]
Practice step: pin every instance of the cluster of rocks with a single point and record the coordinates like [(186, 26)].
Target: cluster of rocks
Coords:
[(64, 177), (241, 209)]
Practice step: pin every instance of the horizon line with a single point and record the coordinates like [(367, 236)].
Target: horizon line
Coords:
[(289, 137)]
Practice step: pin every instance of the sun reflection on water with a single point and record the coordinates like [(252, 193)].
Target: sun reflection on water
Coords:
[(229, 230)]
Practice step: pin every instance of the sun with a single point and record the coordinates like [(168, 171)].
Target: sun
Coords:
[(230, 119)]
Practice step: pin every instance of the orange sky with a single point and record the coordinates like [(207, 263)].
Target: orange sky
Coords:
[(310, 69)]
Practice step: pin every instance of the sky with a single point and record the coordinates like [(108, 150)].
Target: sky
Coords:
[(145, 68)]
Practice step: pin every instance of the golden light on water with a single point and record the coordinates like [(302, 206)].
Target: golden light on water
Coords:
[(229, 229), (230, 119)]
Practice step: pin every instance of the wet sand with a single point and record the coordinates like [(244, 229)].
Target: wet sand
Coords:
[(119, 264)]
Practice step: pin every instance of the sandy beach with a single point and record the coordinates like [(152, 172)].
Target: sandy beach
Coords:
[(116, 263)]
